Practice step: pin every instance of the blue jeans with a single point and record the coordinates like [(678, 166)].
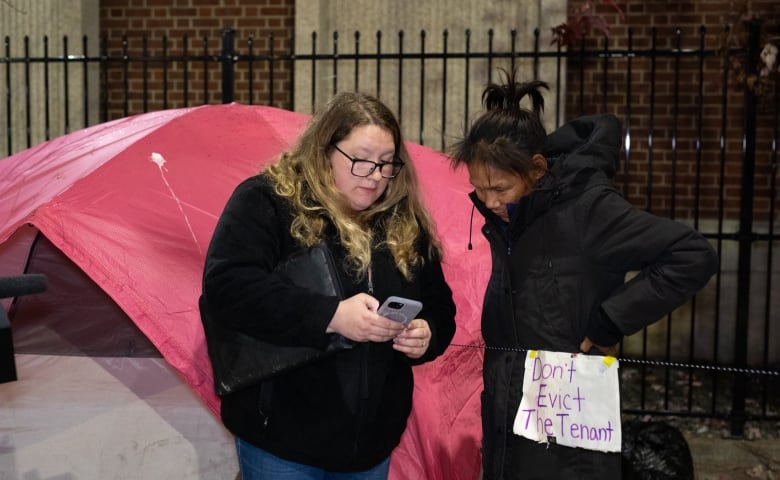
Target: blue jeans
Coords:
[(257, 464)]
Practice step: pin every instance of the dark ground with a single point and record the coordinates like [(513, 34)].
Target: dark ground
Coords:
[(718, 453)]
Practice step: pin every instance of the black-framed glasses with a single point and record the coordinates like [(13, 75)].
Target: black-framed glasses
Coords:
[(364, 168)]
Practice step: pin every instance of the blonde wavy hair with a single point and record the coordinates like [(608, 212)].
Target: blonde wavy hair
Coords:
[(303, 176)]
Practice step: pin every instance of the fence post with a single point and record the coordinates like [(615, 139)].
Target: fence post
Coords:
[(745, 235), (228, 66)]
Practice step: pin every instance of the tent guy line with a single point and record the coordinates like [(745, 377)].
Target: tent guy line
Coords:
[(160, 161)]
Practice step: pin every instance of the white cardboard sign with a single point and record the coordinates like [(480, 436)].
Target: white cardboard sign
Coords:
[(570, 400)]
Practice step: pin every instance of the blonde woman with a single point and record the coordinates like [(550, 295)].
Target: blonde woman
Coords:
[(347, 183)]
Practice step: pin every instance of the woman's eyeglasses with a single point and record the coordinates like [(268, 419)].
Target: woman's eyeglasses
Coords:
[(364, 168)]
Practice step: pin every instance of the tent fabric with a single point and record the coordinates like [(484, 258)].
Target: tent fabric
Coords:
[(75, 317), (132, 203)]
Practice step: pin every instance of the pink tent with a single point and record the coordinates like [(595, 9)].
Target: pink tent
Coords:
[(133, 202)]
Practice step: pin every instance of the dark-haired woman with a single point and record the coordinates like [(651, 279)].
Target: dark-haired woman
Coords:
[(562, 240)]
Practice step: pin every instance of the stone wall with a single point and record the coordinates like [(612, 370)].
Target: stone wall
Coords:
[(420, 91), (39, 29)]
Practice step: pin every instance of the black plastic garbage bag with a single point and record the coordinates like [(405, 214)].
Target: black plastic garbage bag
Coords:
[(655, 451)]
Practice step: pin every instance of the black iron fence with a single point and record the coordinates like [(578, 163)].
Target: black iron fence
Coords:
[(695, 150)]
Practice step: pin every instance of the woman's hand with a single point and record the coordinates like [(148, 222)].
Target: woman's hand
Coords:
[(357, 320), (587, 344), (415, 339)]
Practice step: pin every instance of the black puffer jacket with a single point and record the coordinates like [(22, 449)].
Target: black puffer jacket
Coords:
[(344, 413), (558, 275)]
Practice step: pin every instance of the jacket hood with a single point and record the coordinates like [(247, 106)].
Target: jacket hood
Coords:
[(589, 143), (580, 153)]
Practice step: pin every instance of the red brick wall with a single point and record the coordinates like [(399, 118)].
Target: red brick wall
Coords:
[(666, 17), (195, 20)]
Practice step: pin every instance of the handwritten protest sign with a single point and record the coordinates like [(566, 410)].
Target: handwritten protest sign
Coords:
[(570, 400)]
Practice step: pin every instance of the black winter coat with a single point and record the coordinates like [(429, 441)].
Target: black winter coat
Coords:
[(558, 275), (348, 411)]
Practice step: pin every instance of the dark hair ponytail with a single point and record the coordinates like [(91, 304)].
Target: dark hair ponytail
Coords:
[(507, 135), (507, 96)]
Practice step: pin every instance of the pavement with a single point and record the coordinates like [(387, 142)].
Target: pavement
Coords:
[(135, 419), (735, 459), (102, 418)]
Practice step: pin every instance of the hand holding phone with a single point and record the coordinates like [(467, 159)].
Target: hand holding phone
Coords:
[(400, 309)]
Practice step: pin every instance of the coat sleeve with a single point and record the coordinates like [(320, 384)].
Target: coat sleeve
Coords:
[(672, 260), (438, 310), (239, 286)]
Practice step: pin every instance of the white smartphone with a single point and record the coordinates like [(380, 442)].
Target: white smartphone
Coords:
[(400, 309)]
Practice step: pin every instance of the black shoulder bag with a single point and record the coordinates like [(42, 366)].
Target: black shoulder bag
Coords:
[(239, 360)]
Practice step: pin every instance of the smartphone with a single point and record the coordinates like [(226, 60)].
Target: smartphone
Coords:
[(400, 309)]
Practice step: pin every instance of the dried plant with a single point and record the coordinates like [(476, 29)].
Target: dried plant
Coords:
[(582, 20), (757, 75)]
